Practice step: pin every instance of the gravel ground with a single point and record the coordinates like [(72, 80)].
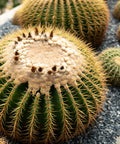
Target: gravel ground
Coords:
[(107, 128)]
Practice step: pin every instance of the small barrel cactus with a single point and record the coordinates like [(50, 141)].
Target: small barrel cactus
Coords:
[(116, 11), (51, 85), (86, 18), (111, 62)]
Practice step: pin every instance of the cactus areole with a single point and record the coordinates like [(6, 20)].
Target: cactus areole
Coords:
[(51, 87)]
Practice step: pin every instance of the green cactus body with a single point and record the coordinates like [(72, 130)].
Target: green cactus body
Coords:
[(111, 62), (86, 18), (51, 88), (116, 11)]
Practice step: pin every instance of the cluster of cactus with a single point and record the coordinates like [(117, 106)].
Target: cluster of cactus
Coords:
[(111, 63), (86, 18), (51, 85), (116, 11)]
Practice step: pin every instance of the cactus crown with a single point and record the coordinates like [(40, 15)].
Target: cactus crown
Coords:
[(58, 61), (86, 18), (51, 88), (111, 62)]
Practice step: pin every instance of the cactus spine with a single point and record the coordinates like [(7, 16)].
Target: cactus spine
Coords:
[(111, 62), (51, 88), (86, 18)]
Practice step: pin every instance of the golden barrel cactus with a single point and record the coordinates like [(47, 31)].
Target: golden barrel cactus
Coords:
[(110, 58), (86, 18), (51, 85)]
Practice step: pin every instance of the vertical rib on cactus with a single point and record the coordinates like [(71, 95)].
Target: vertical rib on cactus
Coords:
[(86, 18), (5, 102), (17, 115), (51, 85)]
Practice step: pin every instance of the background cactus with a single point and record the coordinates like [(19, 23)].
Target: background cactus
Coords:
[(51, 88), (86, 18), (111, 62), (116, 11)]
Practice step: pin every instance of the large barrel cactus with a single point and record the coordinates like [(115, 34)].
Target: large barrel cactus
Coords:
[(111, 63), (86, 18), (51, 85)]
